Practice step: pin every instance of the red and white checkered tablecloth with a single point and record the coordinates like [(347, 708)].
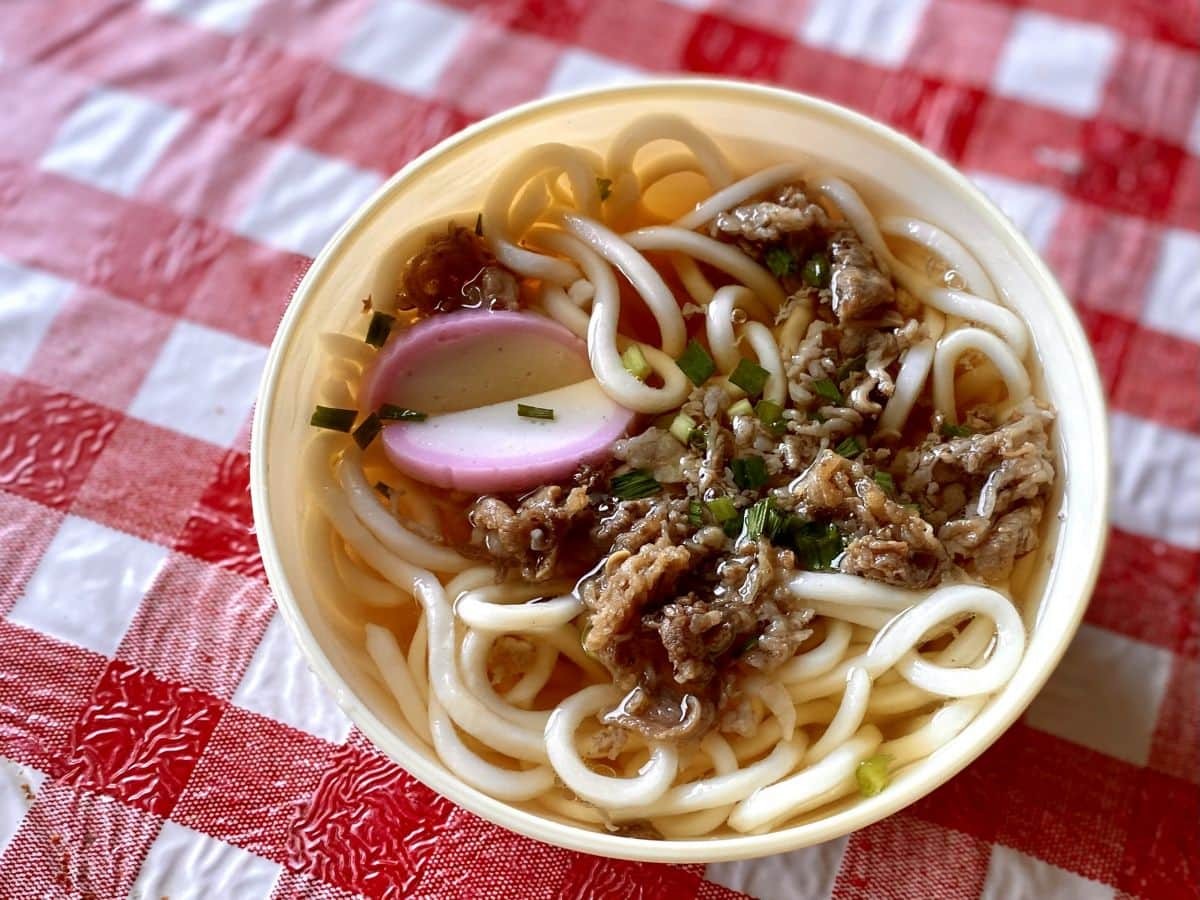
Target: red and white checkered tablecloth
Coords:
[(167, 168)]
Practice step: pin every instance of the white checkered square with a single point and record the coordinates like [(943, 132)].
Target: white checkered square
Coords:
[(279, 684), (405, 44), (303, 199), (1011, 874), (113, 139), (1156, 484), (1056, 62), (1033, 209), (881, 31), (186, 865), (1104, 678), (1173, 300), (29, 301), (88, 585), (806, 874), (19, 786), (578, 69), (202, 383), (229, 16)]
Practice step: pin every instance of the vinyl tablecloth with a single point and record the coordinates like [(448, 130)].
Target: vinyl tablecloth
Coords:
[(167, 170)]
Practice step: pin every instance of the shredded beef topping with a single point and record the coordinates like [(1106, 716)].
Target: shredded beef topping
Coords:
[(455, 271)]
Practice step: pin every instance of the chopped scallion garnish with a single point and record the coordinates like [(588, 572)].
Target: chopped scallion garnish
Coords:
[(722, 509), (885, 481), (854, 365), (682, 428), (742, 408), (696, 363), (390, 412), (817, 544), (367, 431), (695, 513), (849, 448), (872, 774), (749, 376), (384, 489), (733, 527), (770, 414), (604, 186), (634, 361), (333, 418), (379, 329), (698, 438), (781, 261), (827, 390), (764, 520), (525, 411), (633, 485), (749, 472), (479, 225), (950, 430), (816, 271)]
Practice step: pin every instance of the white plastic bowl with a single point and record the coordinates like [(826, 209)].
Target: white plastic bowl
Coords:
[(757, 126)]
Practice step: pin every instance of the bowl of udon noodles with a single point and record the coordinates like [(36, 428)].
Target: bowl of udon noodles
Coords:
[(684, 471)]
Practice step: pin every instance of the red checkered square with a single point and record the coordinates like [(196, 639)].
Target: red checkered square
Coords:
[(44, 684), (782, 16), (722, 47), (26, 530), (1109, 336), (1184, 211), (1047, 151), (1104, 261), (960, 40), (1162, 857), (371, 828), (209, 171), (294, 886), (1154, 359), (1148, 590), (49, 441), (72, 358), (1127, 171), (147, 480), (851, 82), (199, 625), (559, 21), (1176, 746), (496, 68), (616, 879), (903, 857), (656, 43), (252, 782), (710, 890), (939, 115), (40, 98), (75, 844), (1157, 90), (139, 738), (221, 526)]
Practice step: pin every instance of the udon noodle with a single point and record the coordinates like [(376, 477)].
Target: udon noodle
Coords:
[(860, 610)]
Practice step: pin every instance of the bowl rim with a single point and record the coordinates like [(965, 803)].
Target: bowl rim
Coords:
[(1006, 707)]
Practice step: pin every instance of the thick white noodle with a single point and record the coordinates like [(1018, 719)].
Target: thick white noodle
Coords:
[(486, 609), (762, 342), (819, 659), (948, 248), (852, 590), (664, 127), (695, 282), (360, 582), (476, 645), (943, 726), (975, 309), (954, 345), (651, 783), (641, 274), (848, 719), (535, 677), (795, 327), (718, 320), (740, 192), (417, 658), (814, 786), (776, 698), (867, 616), (914, 371), (384, 651)]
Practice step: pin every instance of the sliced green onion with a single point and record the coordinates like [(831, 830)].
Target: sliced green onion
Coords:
[(872, 774), (379, 329), (817, 544), (698, 438), (749, 376), (682, 428), (479, 225), (733, 527), (695, 513), (333, 418), (827, 390), (780, 260), (634, 361), (770, 414), (854, 365), (816, 271), (741, 408), (764, 520), (367, 431), (604, 186), (749, 472), (526, 411), (955, 431), (384, 489), (696, 364), (815, 416), (390, 412), (885, 481), (849, 448), (633, 485), (747, 646), (914, 508), (722, 509)]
